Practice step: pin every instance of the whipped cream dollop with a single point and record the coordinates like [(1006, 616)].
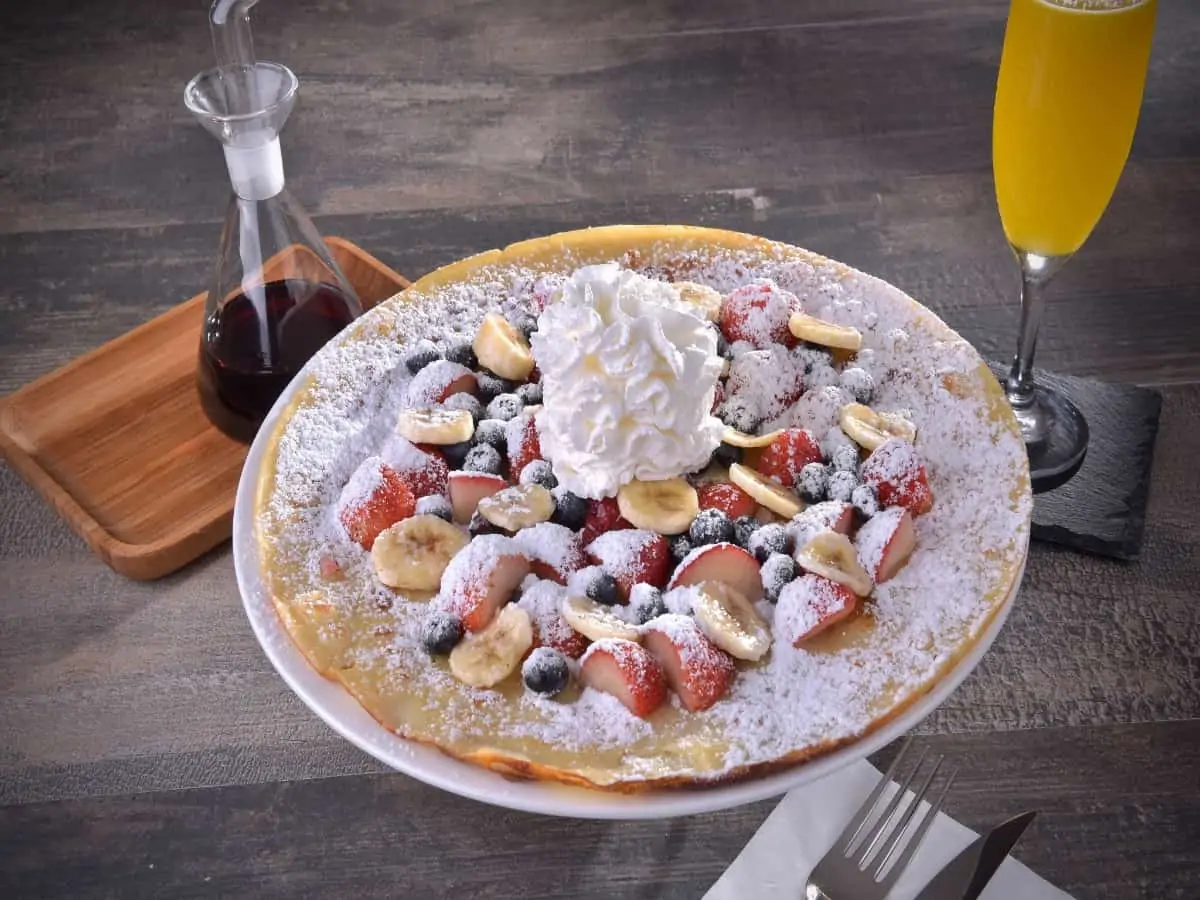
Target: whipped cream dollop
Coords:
[(629, 374)]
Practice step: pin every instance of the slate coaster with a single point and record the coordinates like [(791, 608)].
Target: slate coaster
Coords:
[(1101, 508)]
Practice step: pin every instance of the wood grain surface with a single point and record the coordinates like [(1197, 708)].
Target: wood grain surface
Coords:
[(147, 748)]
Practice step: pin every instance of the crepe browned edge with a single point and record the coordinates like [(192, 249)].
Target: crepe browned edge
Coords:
[(665, 247)]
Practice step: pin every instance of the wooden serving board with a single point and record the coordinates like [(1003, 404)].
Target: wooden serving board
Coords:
[(117, 443)]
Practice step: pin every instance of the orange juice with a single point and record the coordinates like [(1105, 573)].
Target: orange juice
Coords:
[(1067, 101)]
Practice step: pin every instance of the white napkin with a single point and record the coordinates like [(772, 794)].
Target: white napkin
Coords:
[(780, 857)]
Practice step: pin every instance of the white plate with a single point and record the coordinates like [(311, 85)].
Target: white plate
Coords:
[(343, 713)]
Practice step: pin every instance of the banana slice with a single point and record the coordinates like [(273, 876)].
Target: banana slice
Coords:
[(487, 657), (667, 507), (869, 429), (705, 299), (831, 555), (735, 438), (521, 506), (503, 349), (773, 496), (595, 622), (412, 554), (827, 334), (731, 622), (436, 426)]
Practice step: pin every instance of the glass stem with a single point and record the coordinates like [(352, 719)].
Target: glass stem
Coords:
[(1036, 270)]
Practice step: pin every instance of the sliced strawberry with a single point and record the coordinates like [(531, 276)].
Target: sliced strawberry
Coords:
[(603, 515), (726, 563), (467, 489), (828, 515), (628, 672), (697, 670), (785, 456), (556, 551), (718, 396), (423, 468), (895, 471), (437, 381), (728, 498), (632, 556), (523, 444), (809, 605), (758, 314), (543, 601), (481, 578), (885, 542), (375, 498)]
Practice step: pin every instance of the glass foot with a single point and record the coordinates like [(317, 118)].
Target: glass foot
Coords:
[(1056, 434)]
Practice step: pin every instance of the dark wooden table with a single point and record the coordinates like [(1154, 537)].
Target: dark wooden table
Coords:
[(147, 749)]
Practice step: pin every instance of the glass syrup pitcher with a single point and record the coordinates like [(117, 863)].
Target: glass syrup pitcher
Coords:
[(277, 294)]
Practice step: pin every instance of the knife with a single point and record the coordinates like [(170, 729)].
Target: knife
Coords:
[(965, 876)]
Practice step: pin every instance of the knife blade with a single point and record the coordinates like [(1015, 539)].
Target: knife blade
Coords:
[(965, 876)]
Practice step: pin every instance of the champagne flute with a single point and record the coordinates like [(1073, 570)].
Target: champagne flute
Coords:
[(1067, 101)]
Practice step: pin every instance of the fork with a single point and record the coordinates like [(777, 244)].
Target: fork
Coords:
[(860, 865)]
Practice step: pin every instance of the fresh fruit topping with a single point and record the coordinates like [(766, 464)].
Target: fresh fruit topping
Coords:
[(539, 472), (726, 455), (743, 529), (680, 546), (769, 539), (595, 584), (711, 526), (424, 353), (546, 671), (735, 438), (626, 671), (770, 494), (523, 444), (504, 407), (467, 402), (632, 556), (596, 622), (329, 569), (896, 473), (844, 458), (759, 314), (771, 380), (435, 505), (530, 394), (786, 456), (811, 357), (527, 325), (869, 429), (841, 486), (479, 525), (827, 334), (698, 671), (832, 556), (706, 300), (858, 382), (646, 603), (468, 488), (438, 381), (502, 348), (726, 563), (412, 554), (483, 458), (493, 433), (555, 551), (543, 601), (602, 516), (456, 454), (728, 498), (486, 657), (865, 501), (740, 415), (423, 470), (571, 511), (886, 542), (517, 507), (489, 386), (809, 605), (375, 498), (463, 355), (730, 621), (435, 426), (812, 484), (666, 507), (777, 572), (481, 578), (440, 633)]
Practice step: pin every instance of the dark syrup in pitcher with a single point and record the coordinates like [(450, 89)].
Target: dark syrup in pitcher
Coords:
[(238, 381)]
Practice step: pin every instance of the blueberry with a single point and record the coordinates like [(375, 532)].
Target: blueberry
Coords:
[(546, 671), (527, 325), (680, 547), (723, 345), (859, 382), (505, 407), (841, 486), (845, 459), (768, 540), (483, 458), (441, 633), (813, 482), (530, 394), (490, 386), (726, 455), (463, 354), (865, 500), (710, 527), (740, 415), (467, 402), (456, 454), (479, 525), (422, 355), (647, 603), (493, 433), (602, 588), (539, 472), (571, 511), (821, 376), (435, 505), (813, 357), (743, 529), (777, 572)]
